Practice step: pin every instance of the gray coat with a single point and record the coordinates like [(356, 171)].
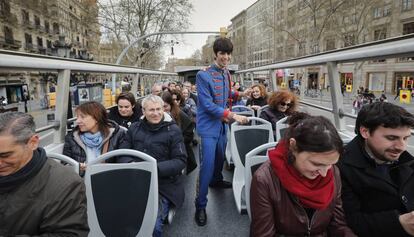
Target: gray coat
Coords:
[(52, 203)]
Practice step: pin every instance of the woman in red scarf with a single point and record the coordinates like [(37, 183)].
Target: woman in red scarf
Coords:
[(298, 191)]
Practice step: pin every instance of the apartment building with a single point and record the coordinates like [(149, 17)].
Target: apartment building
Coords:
[(64, 28)]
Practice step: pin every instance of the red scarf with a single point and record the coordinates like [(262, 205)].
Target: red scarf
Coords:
[(312, 193)]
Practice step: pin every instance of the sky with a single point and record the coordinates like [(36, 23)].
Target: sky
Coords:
[(208, 15)]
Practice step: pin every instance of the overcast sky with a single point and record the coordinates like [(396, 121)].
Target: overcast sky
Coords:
[(208, 15)]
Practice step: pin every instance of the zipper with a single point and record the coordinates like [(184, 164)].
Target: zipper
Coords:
[(309, 222)]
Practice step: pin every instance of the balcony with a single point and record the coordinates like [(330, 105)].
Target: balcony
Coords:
[(10, 43)]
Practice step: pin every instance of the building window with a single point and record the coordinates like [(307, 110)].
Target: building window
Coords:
[(56, 28), (349, 40), (8, 35), (28, 41), (25, 17), (407, 5), (408, 28), (380, 34), (4, 7), (47, 27), (378, 12), (48, 44), (39, 42), (330, 44)]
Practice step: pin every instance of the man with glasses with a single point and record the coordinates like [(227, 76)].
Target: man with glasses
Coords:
[(159, 136), (39, 196)]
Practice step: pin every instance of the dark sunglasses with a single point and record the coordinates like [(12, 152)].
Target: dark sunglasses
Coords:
[(285, 104)]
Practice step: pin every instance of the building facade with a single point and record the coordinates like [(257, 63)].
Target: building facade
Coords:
[(63, 28), (278, 30)]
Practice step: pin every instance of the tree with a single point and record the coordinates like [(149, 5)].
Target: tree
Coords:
[(127, 20)]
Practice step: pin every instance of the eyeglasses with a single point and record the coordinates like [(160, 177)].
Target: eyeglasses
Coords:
[(285, 104)]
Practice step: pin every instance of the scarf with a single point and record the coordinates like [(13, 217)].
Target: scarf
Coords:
[(93, 143), (316, 193), (12, 181)]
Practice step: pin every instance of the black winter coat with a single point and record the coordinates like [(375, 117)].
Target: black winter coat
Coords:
[(75, 149), (272, 115), (164, 142), (187, 129), (125, 121), (372, 202)]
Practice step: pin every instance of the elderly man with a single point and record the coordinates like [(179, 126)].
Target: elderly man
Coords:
[(156, 89), (159, 136), (378, 173), (39, 196)]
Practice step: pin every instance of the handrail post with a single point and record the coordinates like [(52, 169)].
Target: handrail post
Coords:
[(273, 79), (252, 78), (303, 82), (337, 98), (135, 81), (61, 109), (241, 79)]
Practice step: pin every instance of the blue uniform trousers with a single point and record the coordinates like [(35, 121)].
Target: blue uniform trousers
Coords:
[(212, 152)]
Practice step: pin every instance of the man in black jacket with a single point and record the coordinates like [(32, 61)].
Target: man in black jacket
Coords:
[(378, 173), (159, 136), (39, 196)]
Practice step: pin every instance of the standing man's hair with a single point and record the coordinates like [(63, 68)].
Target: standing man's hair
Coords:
[(383, 114), (224, 45), (18, 124)]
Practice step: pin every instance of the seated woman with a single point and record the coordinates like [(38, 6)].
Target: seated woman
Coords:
[(189, 102), (127, 111), (185, 124), (258, 97), (281, 104), (297, 192), (93, 135)]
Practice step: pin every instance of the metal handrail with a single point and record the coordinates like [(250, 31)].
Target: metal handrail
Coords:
[(402, 46), (24, 61)]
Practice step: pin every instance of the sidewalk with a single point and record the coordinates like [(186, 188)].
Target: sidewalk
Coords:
[(348, 99)]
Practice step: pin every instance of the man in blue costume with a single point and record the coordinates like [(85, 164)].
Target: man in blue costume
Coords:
[(214, 97)]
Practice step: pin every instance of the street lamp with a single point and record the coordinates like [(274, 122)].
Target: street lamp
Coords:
[(172, 46)]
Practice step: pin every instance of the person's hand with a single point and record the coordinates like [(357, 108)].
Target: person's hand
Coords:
[(255, 107), (82, 166), (241, 119), (407, 222), (247, 92)]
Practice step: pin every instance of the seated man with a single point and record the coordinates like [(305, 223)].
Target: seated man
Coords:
[(159, 136), (377, 173), (38, 195)]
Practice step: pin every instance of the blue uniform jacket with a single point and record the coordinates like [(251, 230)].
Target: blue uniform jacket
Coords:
[(213, 92)]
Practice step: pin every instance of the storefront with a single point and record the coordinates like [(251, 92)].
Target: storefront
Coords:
[(403, 80)]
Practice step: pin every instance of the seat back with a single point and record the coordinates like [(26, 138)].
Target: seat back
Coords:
[(240, 110), (122, 198), (60, 157), (259, 111), (245, 138), (254, 160), (281, 127)]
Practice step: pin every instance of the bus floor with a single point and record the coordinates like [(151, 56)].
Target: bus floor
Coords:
[(223, 218)]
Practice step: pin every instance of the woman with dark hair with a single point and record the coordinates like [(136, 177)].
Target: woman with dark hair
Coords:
[(94, 134), (281, 104), (179, 100), (185, 124), (297, 192), (258, 97), (127, 110)]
